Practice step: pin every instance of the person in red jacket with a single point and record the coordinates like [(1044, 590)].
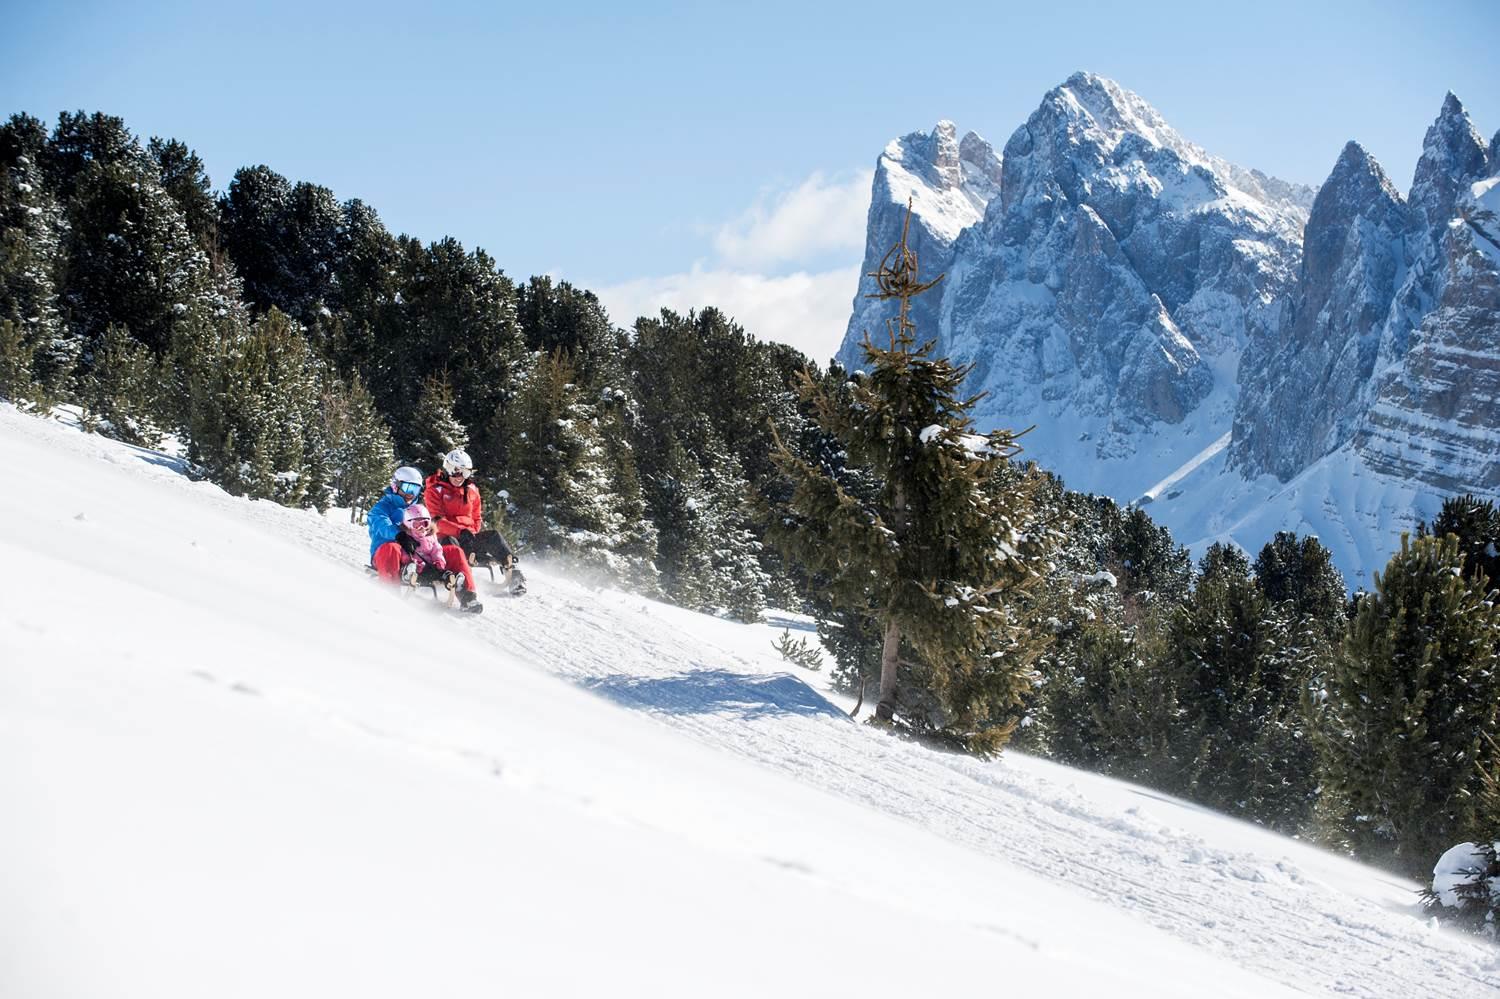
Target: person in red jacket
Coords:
[(457, 510)]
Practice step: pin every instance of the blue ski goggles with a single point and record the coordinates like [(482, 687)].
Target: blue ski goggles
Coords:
[(412, 489)]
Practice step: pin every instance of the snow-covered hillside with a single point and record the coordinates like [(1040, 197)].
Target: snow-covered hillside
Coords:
[(233, 766)]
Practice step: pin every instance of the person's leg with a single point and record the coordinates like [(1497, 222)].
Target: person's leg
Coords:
[(387, 561), (491, 545), (454, 557)]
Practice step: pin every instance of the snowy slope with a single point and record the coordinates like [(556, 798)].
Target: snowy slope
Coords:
[(233, 766)]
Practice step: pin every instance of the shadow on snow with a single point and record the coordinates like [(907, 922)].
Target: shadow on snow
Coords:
[(715, 691)]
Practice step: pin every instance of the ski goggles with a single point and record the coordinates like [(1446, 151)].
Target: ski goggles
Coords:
[(419, 524), (461, 473), (410, 488)]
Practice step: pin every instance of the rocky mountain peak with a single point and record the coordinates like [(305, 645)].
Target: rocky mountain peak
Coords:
[(949, 182), (1357, 180), (1453, 157)]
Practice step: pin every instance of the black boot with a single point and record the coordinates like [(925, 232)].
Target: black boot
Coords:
[(468, 602)]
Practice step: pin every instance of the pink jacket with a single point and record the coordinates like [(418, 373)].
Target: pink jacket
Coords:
[(429, 551)]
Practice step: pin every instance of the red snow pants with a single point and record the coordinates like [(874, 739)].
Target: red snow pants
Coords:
[(389, 558)]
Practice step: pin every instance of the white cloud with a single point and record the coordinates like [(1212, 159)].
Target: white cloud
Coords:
[(769, 268), (820, 216), (806, 310)]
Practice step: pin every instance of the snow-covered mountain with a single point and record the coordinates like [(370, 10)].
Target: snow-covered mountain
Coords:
[(1150, 307), (232, 766), (948, 182), (1109, 287)]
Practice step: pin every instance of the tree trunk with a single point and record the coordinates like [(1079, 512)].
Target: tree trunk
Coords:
[(885, 708)]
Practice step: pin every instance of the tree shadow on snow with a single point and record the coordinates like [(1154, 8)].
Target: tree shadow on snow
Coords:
[(715, 691), (776, 620)]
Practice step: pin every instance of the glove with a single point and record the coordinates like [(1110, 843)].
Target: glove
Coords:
[(407, 542)]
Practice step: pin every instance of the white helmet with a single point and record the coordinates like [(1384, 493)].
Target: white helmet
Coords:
[(458, 460), (408, 482)]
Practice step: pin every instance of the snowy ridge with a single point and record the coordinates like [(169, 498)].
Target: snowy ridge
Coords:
[(253, 772)]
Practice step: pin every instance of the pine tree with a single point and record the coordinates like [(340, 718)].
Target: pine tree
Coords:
[(1476, 525), (16, 385), (1406, 709), (561, 476), (132, 261), (1299, 573), (1238, 737), (361, 454), (183, 177), (121, 388), (940, 560), (432, 430), (32, 228), (454, 314)]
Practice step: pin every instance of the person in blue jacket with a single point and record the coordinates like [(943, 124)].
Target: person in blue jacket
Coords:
[(385, 517)]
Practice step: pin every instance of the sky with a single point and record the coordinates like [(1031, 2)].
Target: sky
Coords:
[(669, 154)]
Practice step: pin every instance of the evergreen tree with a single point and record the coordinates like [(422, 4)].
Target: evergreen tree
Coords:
[(254, 228), (361, 454), (1406, 709), (432, 430), (1106, 701), (1299, 574), (31, 232), (121, 389), (132, 260), (184, 178), (939, 560), (561, 317), (1476, 525), (82, 141), (254, 421), (16, 385), (454, 314), (561, 477), (1238, 738)]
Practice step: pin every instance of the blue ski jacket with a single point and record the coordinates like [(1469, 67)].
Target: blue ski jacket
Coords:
[(384, 519)]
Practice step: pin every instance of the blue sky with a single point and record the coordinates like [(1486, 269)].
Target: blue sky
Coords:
[(674, 153)]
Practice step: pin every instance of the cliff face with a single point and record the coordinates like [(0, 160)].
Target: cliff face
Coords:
[(948, 182), (1436, 416), (1303, 386)]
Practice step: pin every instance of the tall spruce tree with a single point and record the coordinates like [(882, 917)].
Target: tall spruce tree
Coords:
[(361, 454), (1406, 709), (182, 175), (1299, 574), (562, 477), (121, 389), (433, 430), (939, 560), (1238, 738), (32, 228)]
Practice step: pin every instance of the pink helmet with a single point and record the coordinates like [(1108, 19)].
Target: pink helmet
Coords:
[(416, 517)]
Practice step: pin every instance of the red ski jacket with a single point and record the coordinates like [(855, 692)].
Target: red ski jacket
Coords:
[(454, 508)]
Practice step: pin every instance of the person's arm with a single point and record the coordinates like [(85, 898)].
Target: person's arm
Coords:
[(382, 527), (476, 512)]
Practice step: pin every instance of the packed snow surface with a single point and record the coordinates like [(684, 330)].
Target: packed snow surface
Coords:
[(234, 766)]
